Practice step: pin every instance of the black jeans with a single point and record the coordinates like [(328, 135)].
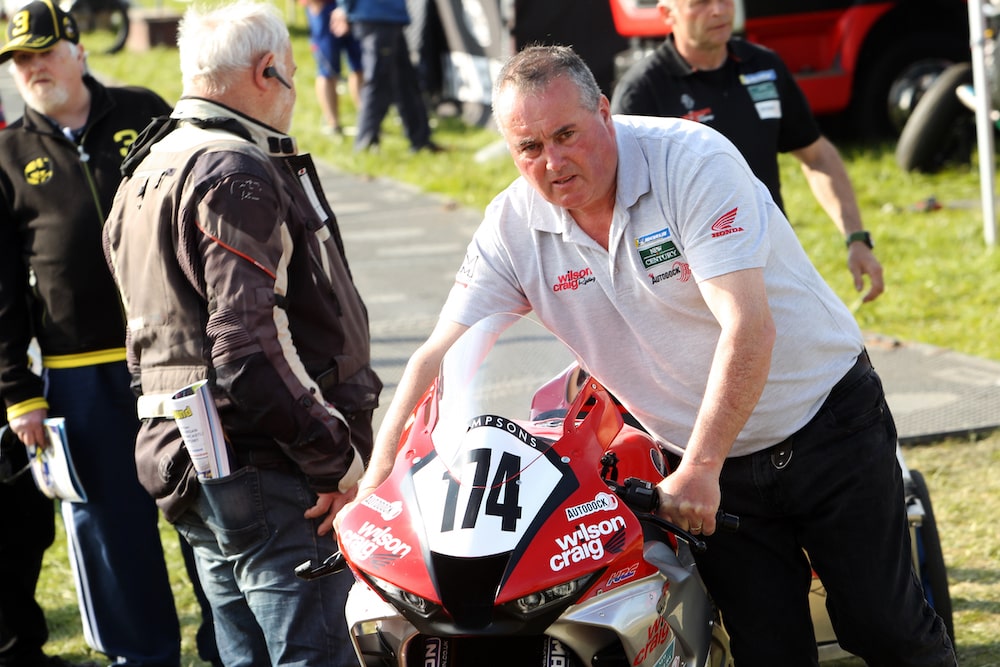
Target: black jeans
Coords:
[(839, 498), (389, 78)]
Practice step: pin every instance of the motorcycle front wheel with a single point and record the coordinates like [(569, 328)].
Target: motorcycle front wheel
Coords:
[(103, 23)]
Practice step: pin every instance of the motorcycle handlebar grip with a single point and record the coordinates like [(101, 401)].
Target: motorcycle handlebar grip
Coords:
[(727, 521), (641, 496)]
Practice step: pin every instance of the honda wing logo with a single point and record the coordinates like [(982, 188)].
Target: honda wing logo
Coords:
[(724, 225)]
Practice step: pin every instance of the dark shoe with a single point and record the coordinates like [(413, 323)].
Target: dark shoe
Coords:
[(430, 147)]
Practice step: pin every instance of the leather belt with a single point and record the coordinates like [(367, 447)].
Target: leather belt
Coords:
[(781, 453), (860, 368)]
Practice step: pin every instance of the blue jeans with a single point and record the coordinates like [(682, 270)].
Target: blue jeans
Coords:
[(248, 535), (839, 497)]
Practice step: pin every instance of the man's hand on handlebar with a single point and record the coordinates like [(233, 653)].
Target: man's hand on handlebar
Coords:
[(690, 499)]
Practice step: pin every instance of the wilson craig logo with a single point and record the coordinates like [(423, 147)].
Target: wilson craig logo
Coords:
[(572, 280), (657, 635), (588, 541), (724, 225), (363, 543)]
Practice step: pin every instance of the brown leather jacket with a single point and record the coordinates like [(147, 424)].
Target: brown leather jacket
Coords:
[(231, 269)]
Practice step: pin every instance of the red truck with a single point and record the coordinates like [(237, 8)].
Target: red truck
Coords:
[(863, 61)]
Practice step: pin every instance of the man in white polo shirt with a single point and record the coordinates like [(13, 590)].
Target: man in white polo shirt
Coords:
[(650, 247)]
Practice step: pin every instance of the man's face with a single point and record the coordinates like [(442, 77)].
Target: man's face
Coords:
[(51, 81), (565, 151), (700, 24)]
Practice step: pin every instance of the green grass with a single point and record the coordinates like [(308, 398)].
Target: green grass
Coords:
[(942, 287), (941, 277)]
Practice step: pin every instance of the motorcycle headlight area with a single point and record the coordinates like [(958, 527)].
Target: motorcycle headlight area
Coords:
[(561, 595), (558, 596), (406, 599)]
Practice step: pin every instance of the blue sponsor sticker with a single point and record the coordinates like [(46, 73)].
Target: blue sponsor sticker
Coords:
[(655, 237), (758, 77)]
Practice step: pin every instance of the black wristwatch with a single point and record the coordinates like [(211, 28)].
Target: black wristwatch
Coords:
[(862, 236)]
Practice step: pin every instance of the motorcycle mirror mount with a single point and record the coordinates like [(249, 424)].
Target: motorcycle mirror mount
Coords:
[(334, 563)]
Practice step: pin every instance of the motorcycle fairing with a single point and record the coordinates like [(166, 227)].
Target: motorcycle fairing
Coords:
[(483, 493), (636, 607)]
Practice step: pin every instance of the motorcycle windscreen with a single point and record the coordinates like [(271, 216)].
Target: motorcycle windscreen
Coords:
[(493, 473)]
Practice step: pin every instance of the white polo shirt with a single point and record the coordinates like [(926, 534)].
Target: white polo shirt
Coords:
[(634, 312)]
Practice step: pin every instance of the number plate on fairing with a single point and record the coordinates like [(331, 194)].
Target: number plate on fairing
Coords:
[(479, 496)]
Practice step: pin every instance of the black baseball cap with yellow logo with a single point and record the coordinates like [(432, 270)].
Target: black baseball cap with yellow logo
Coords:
[(37, 26)]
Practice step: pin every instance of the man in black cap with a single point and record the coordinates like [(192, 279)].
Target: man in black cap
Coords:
[(59, 170)]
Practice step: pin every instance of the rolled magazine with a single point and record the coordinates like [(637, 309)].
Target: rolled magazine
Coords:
[(197, 418), (52, 465)]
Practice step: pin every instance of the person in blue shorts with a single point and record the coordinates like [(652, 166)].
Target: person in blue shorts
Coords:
[(329, 51)]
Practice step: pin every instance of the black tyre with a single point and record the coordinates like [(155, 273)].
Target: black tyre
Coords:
[(933, 573), (105, 23), (908, 58), (941, 129)]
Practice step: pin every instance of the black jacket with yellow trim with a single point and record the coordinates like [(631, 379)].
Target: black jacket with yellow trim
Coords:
[(54, 196)]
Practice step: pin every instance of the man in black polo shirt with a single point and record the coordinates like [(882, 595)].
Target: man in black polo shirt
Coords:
[(746, 92)]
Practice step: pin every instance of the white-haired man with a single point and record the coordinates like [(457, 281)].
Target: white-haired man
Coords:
[(232, 270)]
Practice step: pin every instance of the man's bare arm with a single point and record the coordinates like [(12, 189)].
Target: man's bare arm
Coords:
[(690, 496)]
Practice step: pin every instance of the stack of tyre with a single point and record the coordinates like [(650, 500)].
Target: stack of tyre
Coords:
[(942, 128)]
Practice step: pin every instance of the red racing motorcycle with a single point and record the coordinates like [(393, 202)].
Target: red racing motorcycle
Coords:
[(518, 526)]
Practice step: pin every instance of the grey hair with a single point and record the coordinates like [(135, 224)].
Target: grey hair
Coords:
[(215, 43), (532, 69)]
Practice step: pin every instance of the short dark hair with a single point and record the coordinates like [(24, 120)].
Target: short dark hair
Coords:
[(535, 66)]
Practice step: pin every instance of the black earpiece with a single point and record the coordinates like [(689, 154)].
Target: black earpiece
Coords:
[(271, 73)]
